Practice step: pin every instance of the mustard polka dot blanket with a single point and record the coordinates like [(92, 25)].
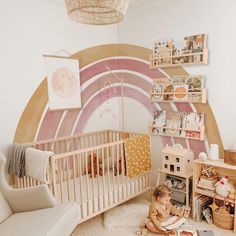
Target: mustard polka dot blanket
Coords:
[(138, 155)]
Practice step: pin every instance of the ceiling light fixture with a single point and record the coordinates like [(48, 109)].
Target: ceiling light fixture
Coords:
[(97, 12)]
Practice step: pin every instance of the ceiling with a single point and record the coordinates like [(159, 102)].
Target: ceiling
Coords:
[(139, 3), (132, 4)]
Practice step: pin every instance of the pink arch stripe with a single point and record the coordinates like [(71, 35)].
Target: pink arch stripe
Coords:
[(102, 97), (118, 64)]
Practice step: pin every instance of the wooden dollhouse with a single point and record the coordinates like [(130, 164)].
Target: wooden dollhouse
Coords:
[(177, 160)]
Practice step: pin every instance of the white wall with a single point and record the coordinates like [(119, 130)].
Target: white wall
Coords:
[(30, 29), (164, 19)]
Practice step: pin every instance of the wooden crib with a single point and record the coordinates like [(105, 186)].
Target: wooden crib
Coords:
[(90, 169)]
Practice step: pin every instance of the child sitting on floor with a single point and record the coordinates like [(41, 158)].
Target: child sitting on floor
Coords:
[(160, 210)]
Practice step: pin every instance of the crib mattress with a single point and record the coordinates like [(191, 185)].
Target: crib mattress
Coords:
[(95, 194)]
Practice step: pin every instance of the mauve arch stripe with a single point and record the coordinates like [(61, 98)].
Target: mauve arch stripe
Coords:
[(66, 126), (118, 64)]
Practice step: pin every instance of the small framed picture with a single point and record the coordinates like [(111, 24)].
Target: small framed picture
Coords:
[(63, 79)]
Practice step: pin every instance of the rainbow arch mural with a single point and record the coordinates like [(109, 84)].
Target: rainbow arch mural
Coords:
[(130, 62)]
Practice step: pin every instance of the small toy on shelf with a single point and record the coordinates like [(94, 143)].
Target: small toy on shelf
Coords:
[(202, 156), (177, 160), (223, 187), (208, 178)]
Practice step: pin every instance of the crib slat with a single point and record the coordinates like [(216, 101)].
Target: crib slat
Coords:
[(118, 170), (122, 170), (92, 175), (61, 179), (103, 178), (108, 176), (54, 181), (68, 178), (74, 177), (81, 185), (113, 171), (87, 181)]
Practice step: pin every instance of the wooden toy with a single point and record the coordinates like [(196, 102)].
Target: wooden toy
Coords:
[(177, 160), (142, 230), (208, 178)]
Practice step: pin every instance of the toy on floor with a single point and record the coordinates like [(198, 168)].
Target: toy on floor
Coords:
[(187, 233), (142, 230)]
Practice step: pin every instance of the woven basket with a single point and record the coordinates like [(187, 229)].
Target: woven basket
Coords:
[(223, 219), (230, 156)]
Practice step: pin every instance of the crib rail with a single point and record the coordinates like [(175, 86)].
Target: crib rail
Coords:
[(91, 170), (95, 177), (80, 141)]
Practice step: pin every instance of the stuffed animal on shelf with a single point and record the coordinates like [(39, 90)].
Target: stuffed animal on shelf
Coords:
[(223, 187)]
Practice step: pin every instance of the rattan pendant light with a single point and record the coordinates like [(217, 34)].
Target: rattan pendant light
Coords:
[(97, 12)]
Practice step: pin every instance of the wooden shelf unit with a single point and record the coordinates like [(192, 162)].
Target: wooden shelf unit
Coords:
[(187, 178), (201, 131), (222, 169), (154, 59), (203, 96)]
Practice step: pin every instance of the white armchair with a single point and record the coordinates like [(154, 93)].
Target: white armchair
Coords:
[(33, 211)]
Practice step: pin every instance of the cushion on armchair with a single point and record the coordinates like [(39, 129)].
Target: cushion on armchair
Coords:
[(5, 210)]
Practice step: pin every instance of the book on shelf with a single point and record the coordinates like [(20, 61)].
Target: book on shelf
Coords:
[(170, 89), (195, 86), (196, 43), (207, 213), (180, 124), (174, 120), (201, 203), (162, 51), (192, 124), (157, 91), (168, 52), (178, 89), (159, 119)]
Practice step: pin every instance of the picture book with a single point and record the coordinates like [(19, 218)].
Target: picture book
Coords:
[(192, 124), (207, 213), (180, 92), (196, 43), (162, 51), (173, 222), (191, 87), (173, 120), (157, 92), (159, 121), (186, 232), (201, 203), (160, 86), (168, 89), (195, 84)]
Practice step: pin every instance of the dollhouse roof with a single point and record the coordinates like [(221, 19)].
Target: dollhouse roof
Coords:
[(176, 151)]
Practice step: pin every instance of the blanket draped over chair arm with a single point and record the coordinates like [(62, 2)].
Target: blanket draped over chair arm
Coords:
[(25, 199)]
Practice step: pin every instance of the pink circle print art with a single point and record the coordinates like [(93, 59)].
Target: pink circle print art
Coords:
[(64, 82)]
